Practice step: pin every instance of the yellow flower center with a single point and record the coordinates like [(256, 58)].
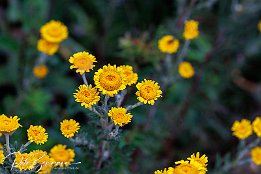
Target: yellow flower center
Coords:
[(110, 80), (54, 31), (62, 156), (148, 92), (82, 63)]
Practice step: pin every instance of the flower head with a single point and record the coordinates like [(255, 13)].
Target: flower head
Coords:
[(130, 76), (40, 71), (37, 134), (190, 30), (199, 161), (25, 161), (186, 168), (87, 96), (44, 160), (148, 91), (257, 126), (256, 155), (186, 70), (47, 47), (109, 80), (119, 116), (82, 61), (69, 127), (54, 31), (168, 44), (259, 26), (9, 124), (242, 129), (61, 155), (2, 156)]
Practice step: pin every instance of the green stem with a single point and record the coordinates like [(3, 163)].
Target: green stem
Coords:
[(134, 106), (7, 143), (84, 79)]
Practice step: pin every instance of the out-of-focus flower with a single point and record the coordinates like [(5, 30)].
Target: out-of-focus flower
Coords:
[(242, 129), (257, 126), (168, 44), (61, 155), (191, 30), (40, 71), (186, 70), (256, 155), (47, 47)]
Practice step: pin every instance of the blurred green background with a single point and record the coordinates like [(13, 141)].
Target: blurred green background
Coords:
[(193, 115)]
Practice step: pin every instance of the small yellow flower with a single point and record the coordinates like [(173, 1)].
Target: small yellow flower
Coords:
[(131, 77), (242, 129), (54, 31), (37, 134), (82, 61), (190, 30), (186, 168), (148, 91), (61, 155), (168, 44), (69, 127), (259, 26), (186, 70), (43, 159), (40, 71), (257, 126), (9, 124), (87, 96), (119, 116), (47, 47), (24, 161), (109, 80), (2, 156), (256, 155), (199, 162)]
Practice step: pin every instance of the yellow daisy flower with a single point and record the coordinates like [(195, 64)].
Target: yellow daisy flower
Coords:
[(47, 47), (130, 76), (24, 161), (242, 129), (190, 30), (61, 155), (186, 70), (109, 80), (40, 71), (199, 162), (54, 31), (69, 127), (87, 96), (148, 91), (37, 134), (9, 124), (119, 116), (186, 168), (168, 44), (82, 61), (43, 159), (2, 156), (257, 126), (256, 155), (259, 26)]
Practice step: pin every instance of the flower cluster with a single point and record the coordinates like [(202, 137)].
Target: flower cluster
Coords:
[(243, 129), (59, 155), (52, 34), (195, 164)]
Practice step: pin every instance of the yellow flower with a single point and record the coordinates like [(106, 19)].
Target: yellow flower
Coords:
[(2, 156), (9, 124), (199, 162), (24, 161), (47, 47), (131, 77), (54, 31), (119, 116), (190, 30), (148, 91), (87, 96), (109, 80), (69, 127), (256, 155), (257, 126), (164, 171), (61, 155), (40, 71), (168, 44), (37, 134), (259, 26), (186, 70), (242, 129), (186, 168), (43, 159), (82, 61)]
